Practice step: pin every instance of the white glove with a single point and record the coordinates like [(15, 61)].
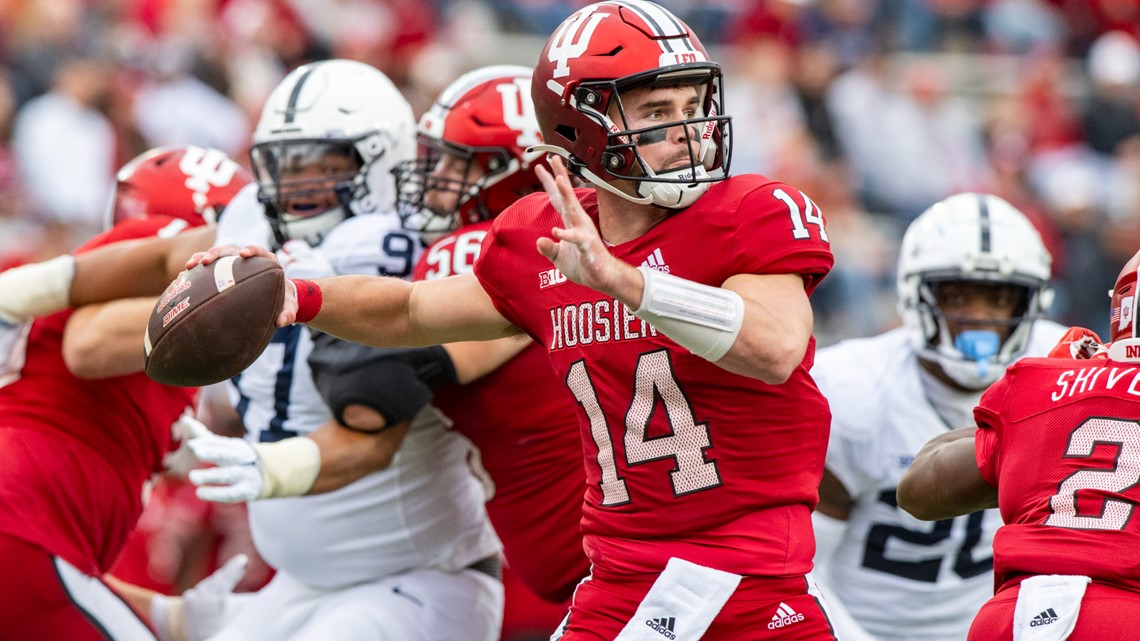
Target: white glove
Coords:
[(203, 609), (247, 472)]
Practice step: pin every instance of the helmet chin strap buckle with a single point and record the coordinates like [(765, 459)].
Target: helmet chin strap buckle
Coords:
[(978, 346)]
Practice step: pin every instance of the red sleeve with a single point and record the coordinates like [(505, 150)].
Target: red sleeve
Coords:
[(505, 249), (985, 451), (987, 440), (133, 229), (781, 231)]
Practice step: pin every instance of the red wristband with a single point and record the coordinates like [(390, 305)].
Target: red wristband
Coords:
[(309, 299)]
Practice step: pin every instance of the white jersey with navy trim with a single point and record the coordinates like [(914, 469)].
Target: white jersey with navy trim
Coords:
[(902, 579), (424, 511)]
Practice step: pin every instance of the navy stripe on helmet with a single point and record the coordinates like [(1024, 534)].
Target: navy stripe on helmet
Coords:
[(984, 222), (295, 95)]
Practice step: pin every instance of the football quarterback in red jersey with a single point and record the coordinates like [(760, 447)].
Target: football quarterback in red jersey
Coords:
[(673, 303), (473, 164), (1057, 450), (82, 428)]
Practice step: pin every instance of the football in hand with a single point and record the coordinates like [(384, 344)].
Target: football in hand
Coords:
[(214, 320)]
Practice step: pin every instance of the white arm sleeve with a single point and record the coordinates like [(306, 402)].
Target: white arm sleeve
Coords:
[(828, 535), (36, 289)]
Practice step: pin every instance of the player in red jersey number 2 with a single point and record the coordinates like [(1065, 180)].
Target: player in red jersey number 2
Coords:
[(673, 302), (1057, 450)]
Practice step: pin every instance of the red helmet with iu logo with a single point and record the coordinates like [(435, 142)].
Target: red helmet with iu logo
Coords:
[(474, 159), (190, 183), (605, 50)]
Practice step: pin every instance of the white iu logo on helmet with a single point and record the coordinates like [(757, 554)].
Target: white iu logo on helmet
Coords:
[(205, 168), (518, 111), (573, 38)]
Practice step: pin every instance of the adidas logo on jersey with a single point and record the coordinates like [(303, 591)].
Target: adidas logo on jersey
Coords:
[(550, 278), (664, 625), (1045, 618), (785, 615), (655, 261)]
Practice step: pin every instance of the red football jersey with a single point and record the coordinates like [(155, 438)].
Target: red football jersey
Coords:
[(683, 459), (527, 432), (74, 454), (1060, 440)]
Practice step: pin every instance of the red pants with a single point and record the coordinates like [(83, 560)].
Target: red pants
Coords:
[(1104, 616), (761, 609), (43, 598)]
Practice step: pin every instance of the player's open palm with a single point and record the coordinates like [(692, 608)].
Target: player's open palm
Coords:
[(576, 249)]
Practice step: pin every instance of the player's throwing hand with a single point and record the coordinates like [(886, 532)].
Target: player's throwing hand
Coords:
[(577, 249)]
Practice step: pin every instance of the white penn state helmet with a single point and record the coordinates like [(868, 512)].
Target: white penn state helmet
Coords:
[(331, 107), (971, 237)]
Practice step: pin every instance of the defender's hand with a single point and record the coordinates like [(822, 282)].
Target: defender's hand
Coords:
[(248, 472), (237, 476), (205, 604), (203, 609)]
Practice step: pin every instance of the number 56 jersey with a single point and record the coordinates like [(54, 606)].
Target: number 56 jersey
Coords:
[(683, 458), (901, 578)]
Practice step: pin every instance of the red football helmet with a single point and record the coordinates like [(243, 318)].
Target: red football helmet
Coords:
[(607, 49), (485, 123), (190, 183)]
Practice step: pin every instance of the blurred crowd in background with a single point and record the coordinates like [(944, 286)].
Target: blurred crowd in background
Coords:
[(876, 108)]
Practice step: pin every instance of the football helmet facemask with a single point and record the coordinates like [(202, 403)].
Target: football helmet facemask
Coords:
[(976, 238), (605, 50), (324, 149), (484, 123), (191, 183)]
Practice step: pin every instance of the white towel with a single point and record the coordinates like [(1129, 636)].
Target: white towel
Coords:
[(1047, 607), (681, 604)]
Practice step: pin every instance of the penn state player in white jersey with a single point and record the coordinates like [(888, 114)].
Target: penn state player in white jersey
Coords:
[(405, 552), (973, 282)]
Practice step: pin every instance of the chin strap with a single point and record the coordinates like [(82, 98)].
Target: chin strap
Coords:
[(673, 195)]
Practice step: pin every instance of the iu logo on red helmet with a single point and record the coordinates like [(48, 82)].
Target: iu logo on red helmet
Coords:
[(190, 183), (475, 157), (603, 52)]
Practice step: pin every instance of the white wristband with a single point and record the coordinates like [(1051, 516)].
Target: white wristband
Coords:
[(37, 289), (704, 320), (289, 467), (168, 618)]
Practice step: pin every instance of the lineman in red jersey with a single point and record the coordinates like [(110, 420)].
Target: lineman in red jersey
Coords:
[(703, 433), (1057, 450), (82, 428), (473, 164)]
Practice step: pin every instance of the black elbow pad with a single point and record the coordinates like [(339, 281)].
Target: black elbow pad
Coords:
[(396, 382)]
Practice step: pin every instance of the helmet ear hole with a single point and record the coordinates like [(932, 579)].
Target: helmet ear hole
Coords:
[(567, 132)]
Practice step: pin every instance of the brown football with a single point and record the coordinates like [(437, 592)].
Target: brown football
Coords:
[(213, 321)]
